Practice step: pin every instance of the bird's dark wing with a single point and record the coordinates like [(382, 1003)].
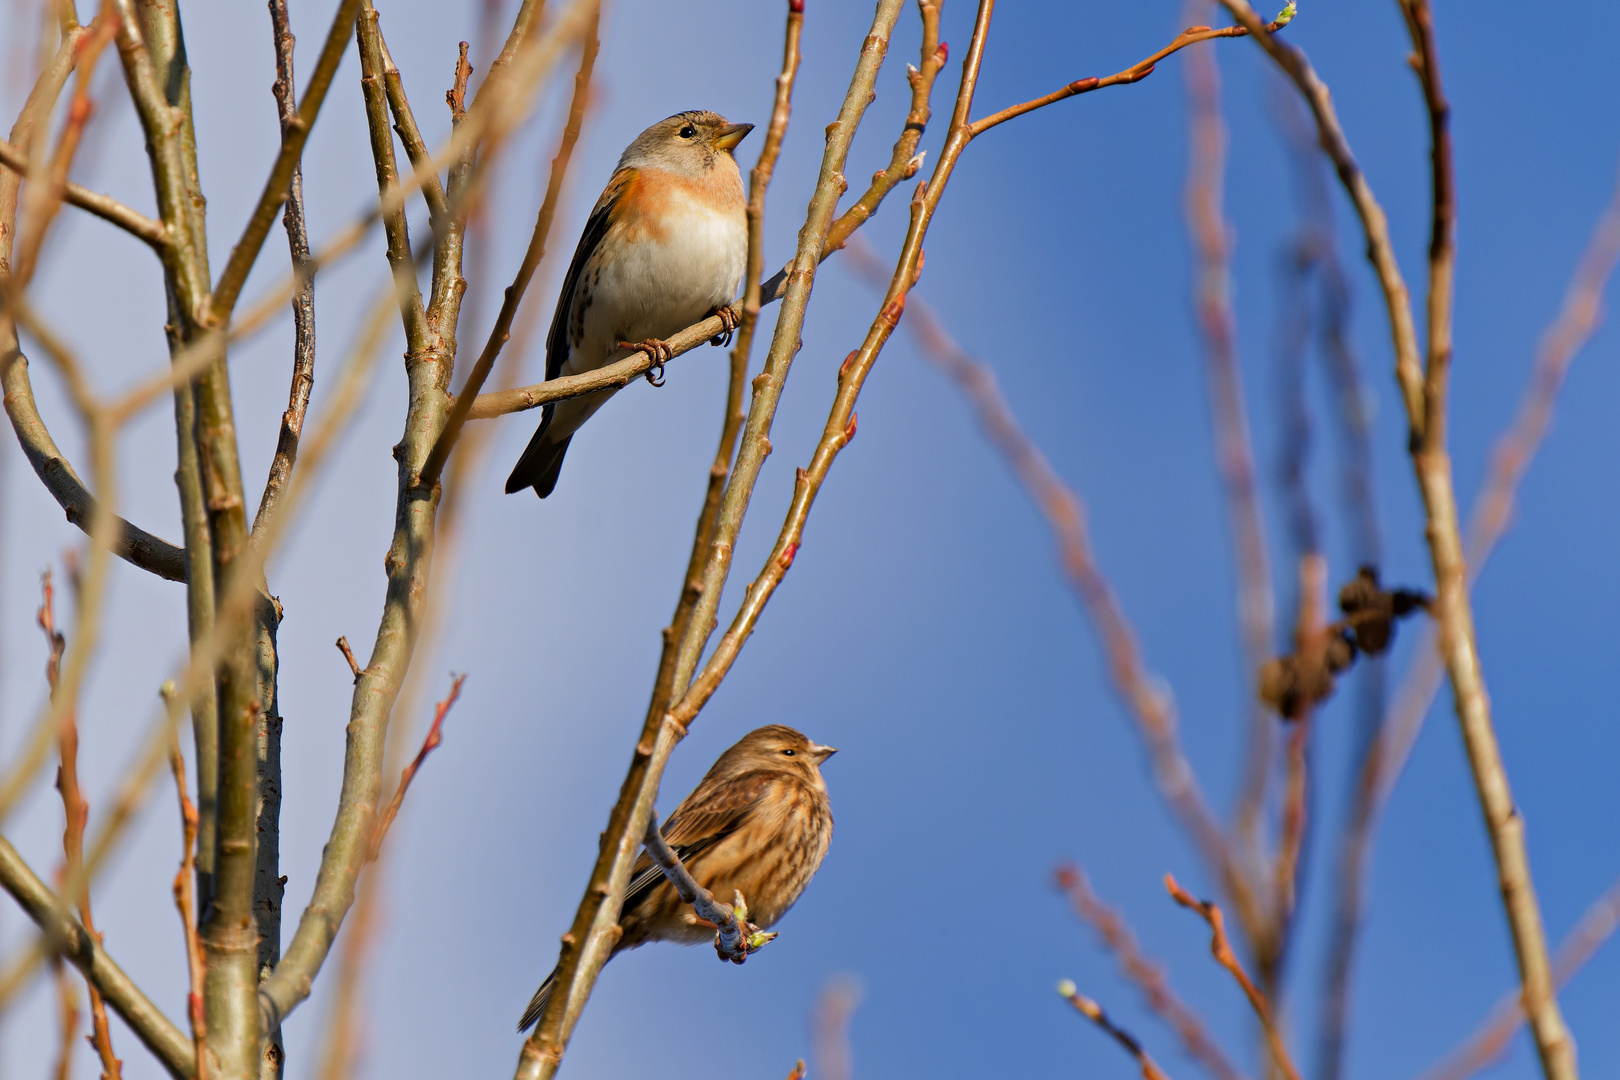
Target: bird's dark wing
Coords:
[(542, 458), (596, 227), (710, 814)]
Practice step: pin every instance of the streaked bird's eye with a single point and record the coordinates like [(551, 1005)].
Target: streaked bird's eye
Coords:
[(789, 753), (688, 132)]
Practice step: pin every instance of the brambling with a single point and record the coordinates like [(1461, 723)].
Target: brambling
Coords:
[(758, 823), (665, 247)]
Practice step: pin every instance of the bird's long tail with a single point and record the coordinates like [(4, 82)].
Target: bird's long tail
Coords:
[(537, 1004), (541, 461)]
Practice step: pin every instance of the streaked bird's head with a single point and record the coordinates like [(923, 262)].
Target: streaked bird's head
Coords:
[(688, 143), (777, 747)]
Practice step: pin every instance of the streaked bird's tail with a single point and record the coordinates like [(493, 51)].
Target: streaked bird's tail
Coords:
[(537, 1004)]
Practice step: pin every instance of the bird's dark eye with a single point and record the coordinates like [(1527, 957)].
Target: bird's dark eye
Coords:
[(789, 753), (688, 132)]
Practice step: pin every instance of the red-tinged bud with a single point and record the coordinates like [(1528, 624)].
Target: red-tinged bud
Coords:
[(943, 52), (893, 311), (801, 475), (786, 559), (849, 428), (796, 7), (922, 256), (843, 369), (1080, 86)]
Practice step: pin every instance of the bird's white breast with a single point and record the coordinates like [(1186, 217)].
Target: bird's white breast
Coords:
[(679, 260)]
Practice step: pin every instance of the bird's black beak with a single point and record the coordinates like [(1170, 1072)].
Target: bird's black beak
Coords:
[(732, 134)]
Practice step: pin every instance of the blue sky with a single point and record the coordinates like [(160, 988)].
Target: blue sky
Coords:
[(923, 629)]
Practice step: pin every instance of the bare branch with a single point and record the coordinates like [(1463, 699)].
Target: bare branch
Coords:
[(1425, 396), (513, 297), (1135, 73), (185, 901), (76, 811), (1147, 973), (1221, 949), (1094, 1012), (167, 1042), (429, 744), (105, 207), (1234, 451), (303, 302), (1139, 689), (1491, 1039), (246, 251)]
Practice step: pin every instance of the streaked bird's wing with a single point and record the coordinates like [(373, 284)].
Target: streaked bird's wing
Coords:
[(709, 815)]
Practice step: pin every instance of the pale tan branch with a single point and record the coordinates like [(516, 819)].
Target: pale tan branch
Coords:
[(168, 1043), (105, 207), (1425, 396)]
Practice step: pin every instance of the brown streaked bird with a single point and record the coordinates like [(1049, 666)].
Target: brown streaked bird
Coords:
[(665, 247), (759, 823)]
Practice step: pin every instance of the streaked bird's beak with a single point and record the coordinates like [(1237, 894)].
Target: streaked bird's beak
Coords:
[(822, 753), (731, 135)]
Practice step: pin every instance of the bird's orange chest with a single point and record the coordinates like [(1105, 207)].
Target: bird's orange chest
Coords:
[(654, 205)]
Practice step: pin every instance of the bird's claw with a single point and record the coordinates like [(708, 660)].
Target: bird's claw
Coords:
[(753, 938), (729, 320), (658, 350)]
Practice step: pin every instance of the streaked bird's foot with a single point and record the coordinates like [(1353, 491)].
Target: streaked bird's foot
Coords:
[(658, 350)]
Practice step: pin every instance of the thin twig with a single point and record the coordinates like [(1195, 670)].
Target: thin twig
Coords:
[(1234, 452), (112, 827), (434, 737), (1094, 1012), (1491, 1039), (171, 1046), (67, 1010), (829, 1027), (348, 654), (1311, 640), (1139, 689), (1148, 974), (76, 810), (1221, 949), (246, 251), (513, 297), (185, 901), (759, 178), (1515, 450), (1135, 73), (105, 207), (303, 302), (1424, 393)]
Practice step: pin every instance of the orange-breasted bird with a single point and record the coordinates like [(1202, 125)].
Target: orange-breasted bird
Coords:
[(759, 823), (665, 247)]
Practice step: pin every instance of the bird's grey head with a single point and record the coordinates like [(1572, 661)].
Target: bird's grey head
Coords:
[(689, 143)]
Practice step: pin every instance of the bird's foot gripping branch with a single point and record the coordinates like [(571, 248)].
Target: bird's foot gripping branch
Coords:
[(734, 936)]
